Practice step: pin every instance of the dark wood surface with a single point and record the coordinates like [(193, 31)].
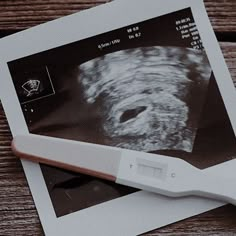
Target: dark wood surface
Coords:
[(18, 215), (21, 14)]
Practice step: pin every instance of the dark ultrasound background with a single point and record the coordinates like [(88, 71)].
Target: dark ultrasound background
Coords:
[(153, 93)]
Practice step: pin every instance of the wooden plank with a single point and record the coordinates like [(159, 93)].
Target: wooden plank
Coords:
[(222, 14), (22, 14), (18, 215), (20, 223)]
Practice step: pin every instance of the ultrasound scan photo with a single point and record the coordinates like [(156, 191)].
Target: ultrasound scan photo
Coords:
[(146, 87), (147, 96)]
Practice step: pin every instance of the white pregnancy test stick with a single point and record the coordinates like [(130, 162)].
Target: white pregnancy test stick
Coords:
[(160, 174)]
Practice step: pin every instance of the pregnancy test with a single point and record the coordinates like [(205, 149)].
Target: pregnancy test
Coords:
[(164, 175)]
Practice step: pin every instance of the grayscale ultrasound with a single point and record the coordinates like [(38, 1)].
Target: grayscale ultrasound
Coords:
[(146, 96), (147, 87)]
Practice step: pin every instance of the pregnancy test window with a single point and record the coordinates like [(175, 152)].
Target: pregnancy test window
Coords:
[(146, 87)]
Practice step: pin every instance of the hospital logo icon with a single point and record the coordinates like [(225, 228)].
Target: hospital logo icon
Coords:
[(31, 87)]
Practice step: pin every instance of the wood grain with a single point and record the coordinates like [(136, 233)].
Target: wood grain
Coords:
[(21, 14), (18, 215)]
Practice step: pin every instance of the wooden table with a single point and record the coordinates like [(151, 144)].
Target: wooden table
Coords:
[(18, 215)]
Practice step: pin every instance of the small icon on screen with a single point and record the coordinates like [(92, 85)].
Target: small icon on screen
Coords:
[(31, 87), (34, 84)]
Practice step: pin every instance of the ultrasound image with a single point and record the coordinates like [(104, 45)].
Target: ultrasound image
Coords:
[(147, 87), (145, 99), (146, 96)]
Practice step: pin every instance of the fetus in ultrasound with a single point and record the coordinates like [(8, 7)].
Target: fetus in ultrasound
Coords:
[(145, 99), (151, 97)]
